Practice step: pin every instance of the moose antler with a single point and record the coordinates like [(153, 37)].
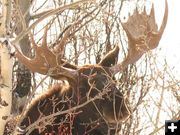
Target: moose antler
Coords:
[(45, 61), (143, 35)]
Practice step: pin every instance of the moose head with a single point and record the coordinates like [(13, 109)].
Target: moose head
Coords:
[(90, 99)]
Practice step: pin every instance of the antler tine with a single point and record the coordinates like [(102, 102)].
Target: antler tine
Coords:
[(23, 59), (152, 15), (155, 34), (163, 25), (44, 40), (143, 36), (32, 41)]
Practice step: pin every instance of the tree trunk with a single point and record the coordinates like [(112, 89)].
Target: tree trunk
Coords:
[(6, 66), (23, 74), (6, 85)]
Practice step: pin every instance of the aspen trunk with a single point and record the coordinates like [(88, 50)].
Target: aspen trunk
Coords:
[(5, 85), (6, 66)]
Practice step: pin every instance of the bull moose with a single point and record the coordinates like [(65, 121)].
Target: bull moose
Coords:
[(88, 101)]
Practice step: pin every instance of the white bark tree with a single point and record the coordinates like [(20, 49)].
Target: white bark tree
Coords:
[(6, 85), (6, 66)]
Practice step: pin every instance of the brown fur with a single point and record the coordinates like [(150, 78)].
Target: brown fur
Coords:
[(44, 104), (58, 89)]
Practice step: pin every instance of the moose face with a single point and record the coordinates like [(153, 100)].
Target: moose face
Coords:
[(97, 82)]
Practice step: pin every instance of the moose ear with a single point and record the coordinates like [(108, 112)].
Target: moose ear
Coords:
[(111, 58)]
